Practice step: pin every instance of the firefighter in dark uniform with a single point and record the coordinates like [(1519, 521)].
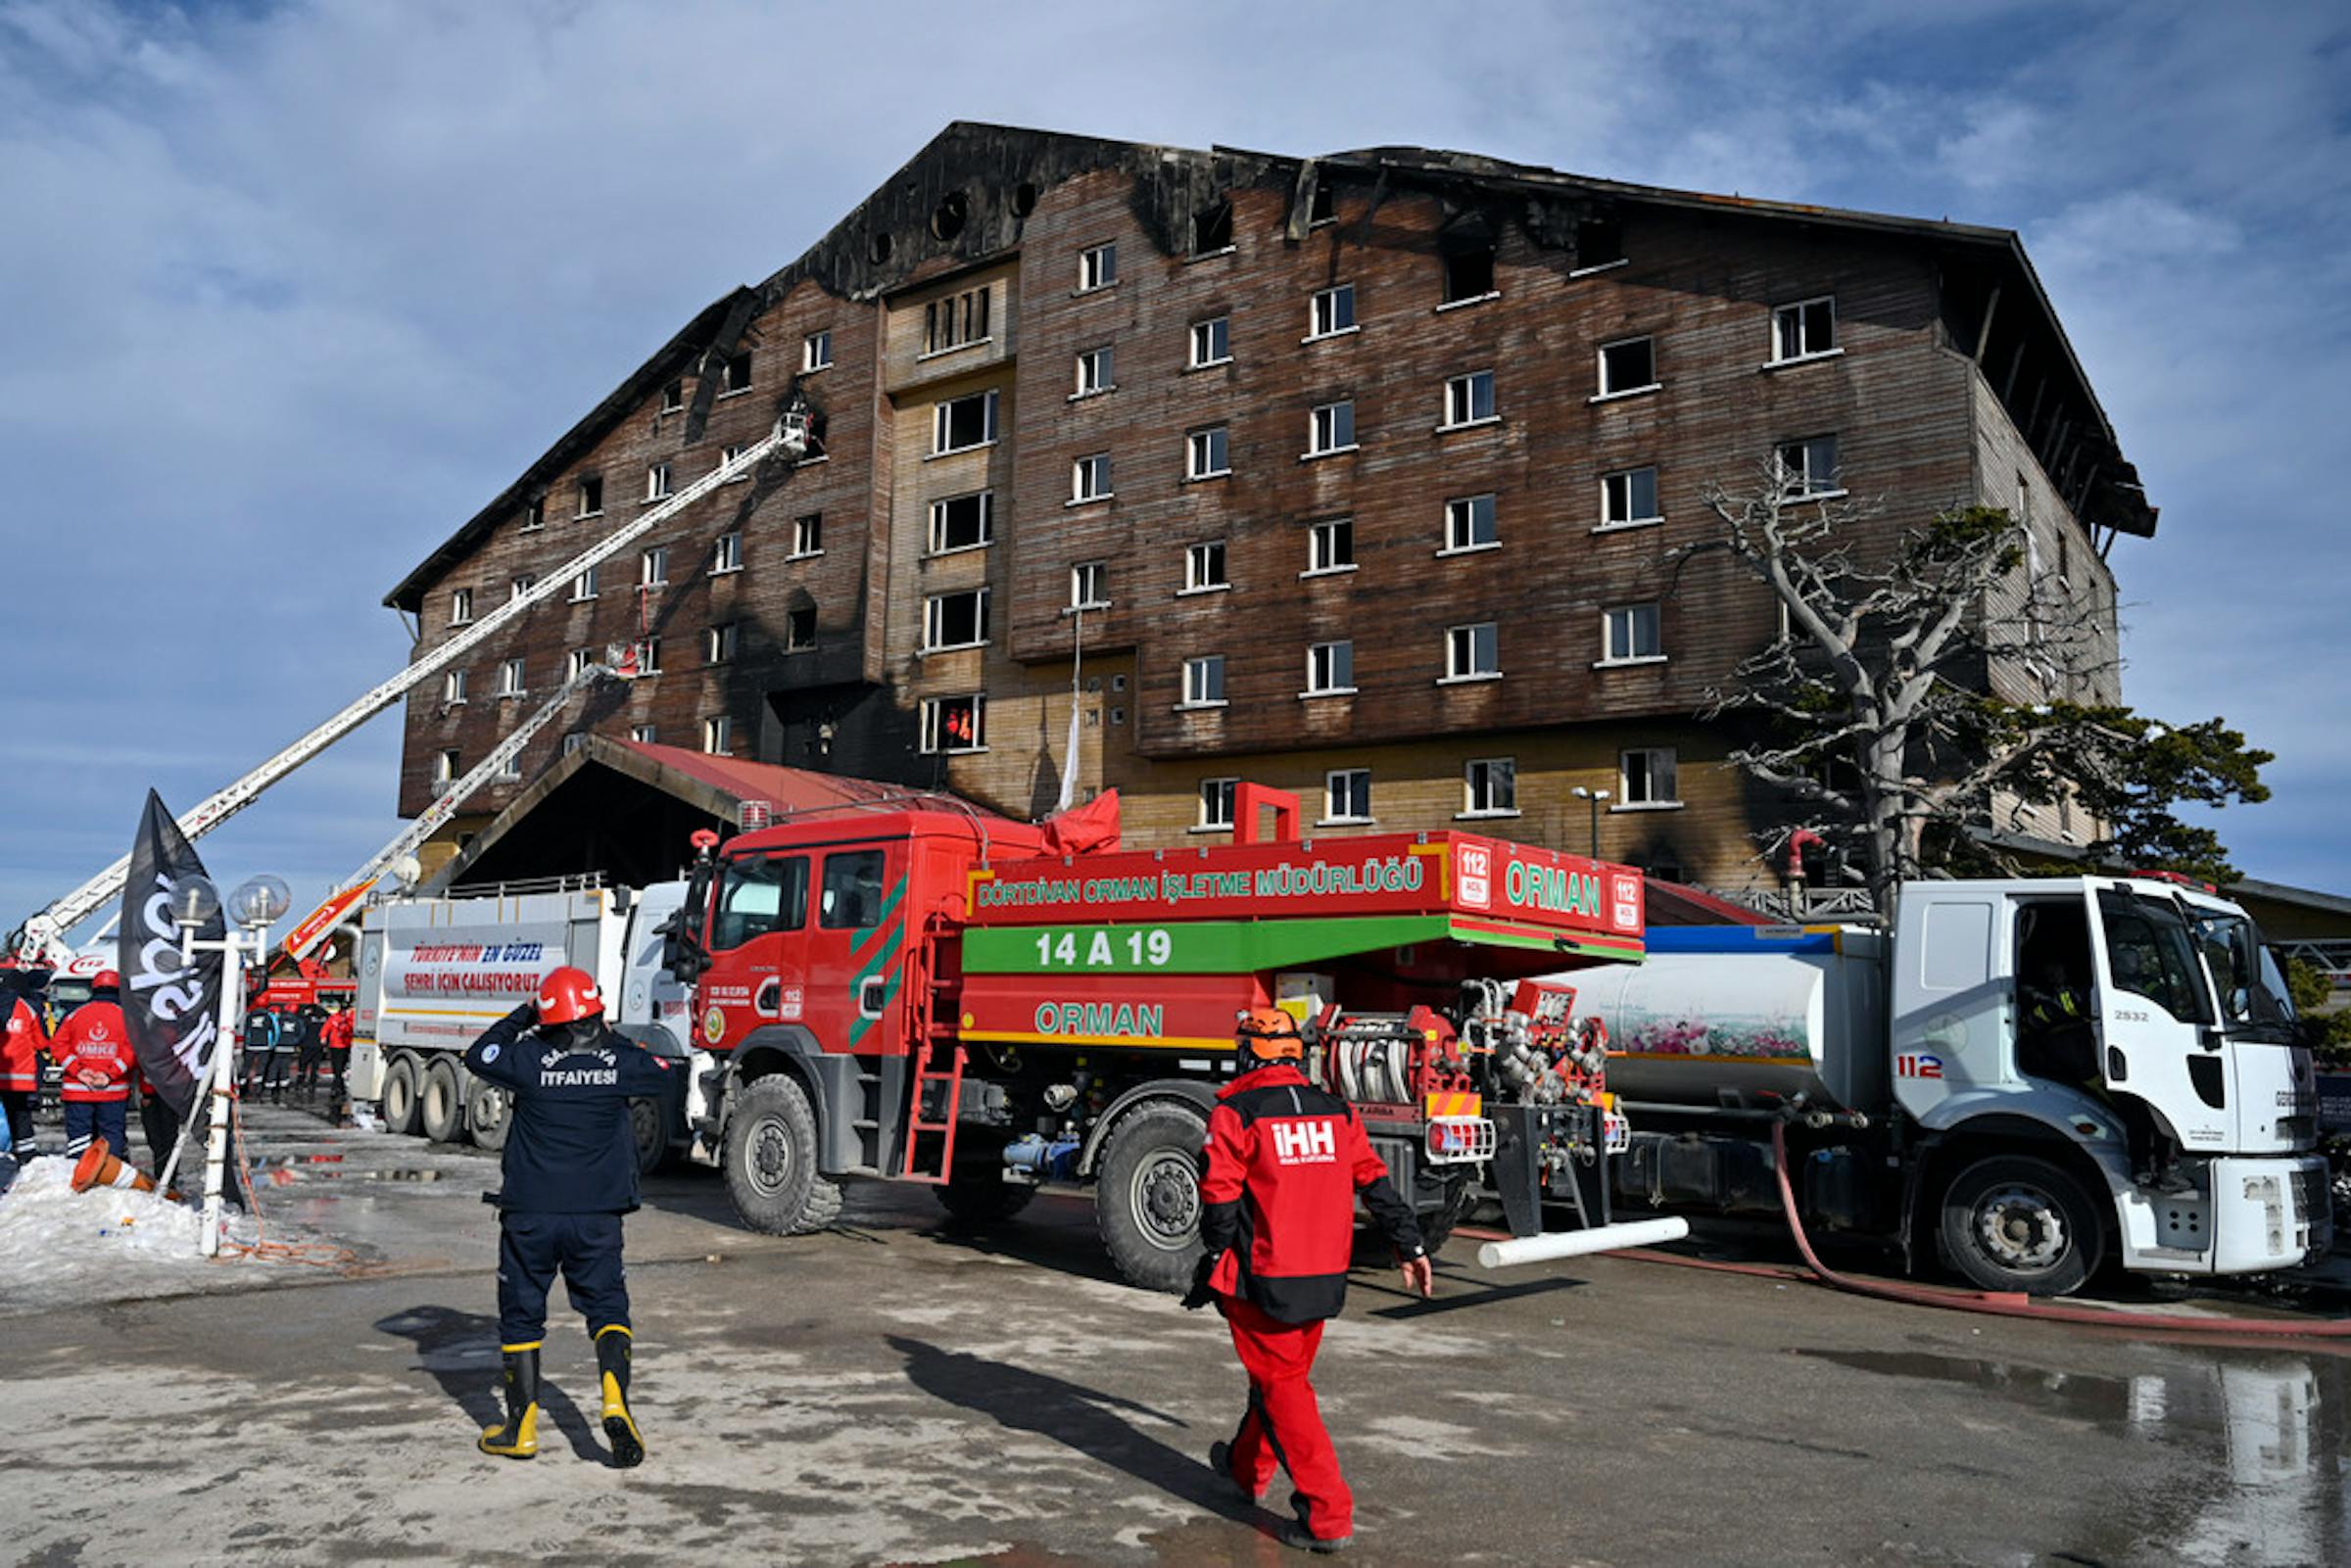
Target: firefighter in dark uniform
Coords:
[(1286, 1162), (570, 1168)]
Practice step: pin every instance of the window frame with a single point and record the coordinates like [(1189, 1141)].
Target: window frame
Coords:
[(1096, 574), (1607, 392), (1653, 802), (1330, 798), (734, 374), (942, 420), (936, 522), (1102, 361), (1330, 669), (1314, 430), (461, 606), (644, 734), (720, 641), (1470, 810), (934, 618), (1097, 267), (1467, 383), (1082, 470), (1198, 443), (1609, 659), (1461, 653), (1609, 524), (1468, 507), (1334, 528), (584, 585), (446, 764), (726, 552), (514, 677), (658, 484), (1218, 794), (653, 566), (1795, 310), (590, 491), (808, 537), (931, 737), (1201, 672), (718, 727), (452, 689), (816, 351), (576, 663), (1195, 578), (1213, 325), (1447, 298), (1338, 294), (793, 642), (1805, 445)]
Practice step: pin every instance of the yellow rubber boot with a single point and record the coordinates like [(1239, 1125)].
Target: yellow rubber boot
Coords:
[(612, 1345), (518, 1438)]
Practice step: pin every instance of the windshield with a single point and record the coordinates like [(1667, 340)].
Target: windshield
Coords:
[(2151, 956), (2244, 977)]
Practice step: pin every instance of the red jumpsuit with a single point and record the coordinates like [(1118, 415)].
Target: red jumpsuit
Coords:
[(21, 1039), (92, 1050), (1285, 1160)]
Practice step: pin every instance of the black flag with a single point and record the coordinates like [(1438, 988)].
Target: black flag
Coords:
[(173, 1012)]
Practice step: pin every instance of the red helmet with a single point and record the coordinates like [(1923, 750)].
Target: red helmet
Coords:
[(569, 994), (1270, 1033), (106, 981)]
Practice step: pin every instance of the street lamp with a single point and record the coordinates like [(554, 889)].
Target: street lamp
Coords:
[(251, 909), (1595, 796)]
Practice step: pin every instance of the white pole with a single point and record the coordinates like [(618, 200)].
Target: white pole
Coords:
[(224, 1086), (1576, 1243)]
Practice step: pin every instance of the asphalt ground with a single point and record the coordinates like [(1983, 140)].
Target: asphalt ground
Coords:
[(895, 1390)]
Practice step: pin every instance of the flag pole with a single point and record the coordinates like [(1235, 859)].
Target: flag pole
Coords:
[(218, 1096)]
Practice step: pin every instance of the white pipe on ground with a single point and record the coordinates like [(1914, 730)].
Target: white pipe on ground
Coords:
[(1576, 1243)]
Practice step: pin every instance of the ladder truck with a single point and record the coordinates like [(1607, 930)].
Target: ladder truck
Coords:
[(41, 941)]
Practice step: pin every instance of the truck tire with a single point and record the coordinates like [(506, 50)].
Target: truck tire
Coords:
[(1147, 1195), (441, 1103), (400, 1094), (489, 1113), (2017, 1222), (650, 1129), (770, 1160)]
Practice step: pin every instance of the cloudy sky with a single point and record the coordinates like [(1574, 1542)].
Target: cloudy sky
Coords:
[(288, 291)]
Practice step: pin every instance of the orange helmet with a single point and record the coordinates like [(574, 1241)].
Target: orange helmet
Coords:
[(568, 995), (106, 981), (1270, 1033)]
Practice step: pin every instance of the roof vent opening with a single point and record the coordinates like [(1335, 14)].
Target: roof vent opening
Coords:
[(877, 247), (1023, 199), (947, 220)]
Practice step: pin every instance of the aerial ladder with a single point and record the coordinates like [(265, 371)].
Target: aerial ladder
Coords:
[(42, 938)]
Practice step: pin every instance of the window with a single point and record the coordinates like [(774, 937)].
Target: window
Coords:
[(534, 516), (1801, 331), (1330, 669), (1093, 372), (718, 642), (510, 683), (1204, 567), (444, 768), (1469, 398), (956, 723), (452, 689), (461, 606), (1469, 523), (572, 743), (962, 423), (1490, 788), (591, 495), (1646, 777), (1630, 632), (816, 351), (760, 895), (1331, 429), (1627, 366), (727, 554), (956, 321), (510, 767), (641, 733), (1468, 275), (1809, 467), (1216, 798), (577, 665), (1331, 547), (521, 586), (1346, 795), (1212, 229), (1629, 499), (1097, 267), (718, 735), (1090, 586), (1473, 652), (963, 522), (673, 397), (851, 899), (583, 587), (653, 566), (808, 535), (1204, 681), (955, 620), (647, 651), (1090, 478), (1212, 342), (1599, 243), (799, 629), (1205, 453), (1332, 311), (736, 374), (1324, 207)]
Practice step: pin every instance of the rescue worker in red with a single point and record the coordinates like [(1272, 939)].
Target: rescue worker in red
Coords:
[(337, 1033), (92, 1051), (22, 1041), (1286, 1162)]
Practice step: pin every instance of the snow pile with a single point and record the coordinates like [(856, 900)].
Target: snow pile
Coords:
[(60, 1248)]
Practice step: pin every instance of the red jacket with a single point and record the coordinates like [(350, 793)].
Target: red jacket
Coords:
[(92, 1049), (337, 1031), (1285, 1160), (21, 1041)]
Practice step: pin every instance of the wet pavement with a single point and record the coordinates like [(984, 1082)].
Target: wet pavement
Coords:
[(897, 1391)]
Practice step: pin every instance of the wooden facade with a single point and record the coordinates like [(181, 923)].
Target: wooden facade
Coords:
[(1046, 362)]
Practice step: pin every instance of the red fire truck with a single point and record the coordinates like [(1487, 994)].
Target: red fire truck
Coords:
[(924, 994)]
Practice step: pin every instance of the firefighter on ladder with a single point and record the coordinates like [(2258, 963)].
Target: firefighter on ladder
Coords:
[(1286, 1162), (570, 1172)]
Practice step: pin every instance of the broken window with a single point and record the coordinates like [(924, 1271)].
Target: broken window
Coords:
[(1809, 467), (718, 642), (1204, 681), (1629, 497), (1090, 478), (799, 629), (591, 495), (962, 423), (808, 535), (962, 522), (1090, 586), (1628, 366), (1599, 242), (1802, 331), (1469, 523), (1646, 777), (1204, 567), (1468, 275), (1472, 653), (1331, 428), (956, 321), (735, 376), (1097, 267), (956, 723), (673, 397), (1212, 342), (1332, 311), (955, 620), (1206, 453), (1212, 229), (1469, 398), (1324, 207), (1630, 632)]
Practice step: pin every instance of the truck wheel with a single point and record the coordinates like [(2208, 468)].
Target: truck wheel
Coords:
[(2014, 1223), (770, 1160), (441, 1103), (1147, 1195), (400, 1094), (651, 1131), (488, 1116)]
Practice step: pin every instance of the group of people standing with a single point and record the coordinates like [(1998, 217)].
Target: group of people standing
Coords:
[(286, 1045)]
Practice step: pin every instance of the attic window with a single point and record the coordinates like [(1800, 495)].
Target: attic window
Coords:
[(1599, 242), (1468, 275), (673, 396), (591, 495), (878, 248), (1023, 199), (947, 220), (1324, 208), (736, 375), (1212, 229)]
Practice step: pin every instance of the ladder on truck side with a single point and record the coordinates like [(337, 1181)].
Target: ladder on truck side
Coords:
[(926, 1038)]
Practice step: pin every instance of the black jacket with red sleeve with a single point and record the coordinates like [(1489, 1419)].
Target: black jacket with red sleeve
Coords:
[(1285, 1160)]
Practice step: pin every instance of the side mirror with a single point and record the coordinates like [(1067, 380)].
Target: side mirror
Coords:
[(682, 950)]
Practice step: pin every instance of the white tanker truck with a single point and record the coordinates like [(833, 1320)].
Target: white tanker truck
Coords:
[(2033, 1076)]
